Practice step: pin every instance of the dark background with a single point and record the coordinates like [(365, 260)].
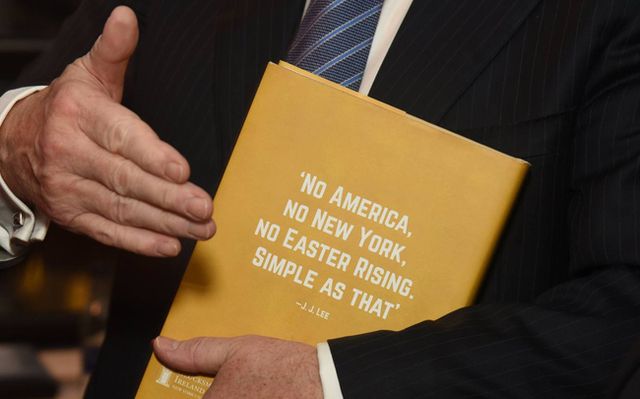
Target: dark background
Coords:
[(52, 308), (26, 27)]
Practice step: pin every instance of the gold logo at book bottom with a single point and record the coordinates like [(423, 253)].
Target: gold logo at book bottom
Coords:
[(165, 377)]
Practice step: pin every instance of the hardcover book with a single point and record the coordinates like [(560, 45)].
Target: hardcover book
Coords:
[(337, 215)]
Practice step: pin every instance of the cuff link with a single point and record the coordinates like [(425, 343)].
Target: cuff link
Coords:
[(18, 220)]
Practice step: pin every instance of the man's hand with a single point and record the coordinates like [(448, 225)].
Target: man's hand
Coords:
[(92, 165), (246, 367)]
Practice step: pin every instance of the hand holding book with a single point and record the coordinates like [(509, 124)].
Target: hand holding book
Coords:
[(248, 366)]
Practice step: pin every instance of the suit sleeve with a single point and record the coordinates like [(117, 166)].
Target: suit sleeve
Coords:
[(570, 340)]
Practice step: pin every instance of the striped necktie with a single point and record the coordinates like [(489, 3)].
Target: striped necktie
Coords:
[(334, 39)]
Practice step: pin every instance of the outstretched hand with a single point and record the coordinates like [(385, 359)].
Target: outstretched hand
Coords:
[(246, 367), (95, 167)]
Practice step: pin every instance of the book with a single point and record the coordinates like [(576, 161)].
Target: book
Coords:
[(337, 215)]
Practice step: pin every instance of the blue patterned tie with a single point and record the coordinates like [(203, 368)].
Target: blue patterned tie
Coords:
[(334, 39)]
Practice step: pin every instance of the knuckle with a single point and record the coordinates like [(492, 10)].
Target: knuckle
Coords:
[(121, 210), (119, 135), (64, 100), (240, 344), (106, 234), (167, 198), (170, 224), (120, 178)]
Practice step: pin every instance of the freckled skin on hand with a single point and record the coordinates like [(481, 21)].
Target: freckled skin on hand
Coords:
[(246, 367)]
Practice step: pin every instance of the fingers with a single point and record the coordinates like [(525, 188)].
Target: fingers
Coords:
[(196, 356), (130, 212), (139, 182), (109, 57), (128, 180), (127, 156), (120, 131), (132, 239)]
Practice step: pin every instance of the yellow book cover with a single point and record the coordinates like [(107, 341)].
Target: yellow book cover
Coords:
[(337, 215)]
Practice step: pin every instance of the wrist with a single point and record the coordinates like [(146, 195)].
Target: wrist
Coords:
[(20, 121)]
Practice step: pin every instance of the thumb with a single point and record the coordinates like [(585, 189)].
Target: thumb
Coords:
[(108, 59), (195, 356)]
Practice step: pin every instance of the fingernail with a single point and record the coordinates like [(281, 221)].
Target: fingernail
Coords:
[(166, 344), (168, 249), (198, 208), (174, 171)]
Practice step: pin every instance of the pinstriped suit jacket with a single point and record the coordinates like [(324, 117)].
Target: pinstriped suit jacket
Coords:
[(556, 82)]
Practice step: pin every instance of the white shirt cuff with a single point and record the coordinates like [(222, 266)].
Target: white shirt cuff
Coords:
[(328, 374), (19, 225)]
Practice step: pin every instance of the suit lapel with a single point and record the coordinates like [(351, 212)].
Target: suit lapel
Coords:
[(441, 47)]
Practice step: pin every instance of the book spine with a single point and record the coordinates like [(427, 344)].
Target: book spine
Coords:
[(508, 205)]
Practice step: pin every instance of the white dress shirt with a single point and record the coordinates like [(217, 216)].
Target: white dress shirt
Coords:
[(391, 17), (33, 227), (19, 225)]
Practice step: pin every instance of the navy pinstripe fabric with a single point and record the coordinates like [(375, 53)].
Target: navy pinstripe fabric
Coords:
[(334, 39), (554, 82)]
